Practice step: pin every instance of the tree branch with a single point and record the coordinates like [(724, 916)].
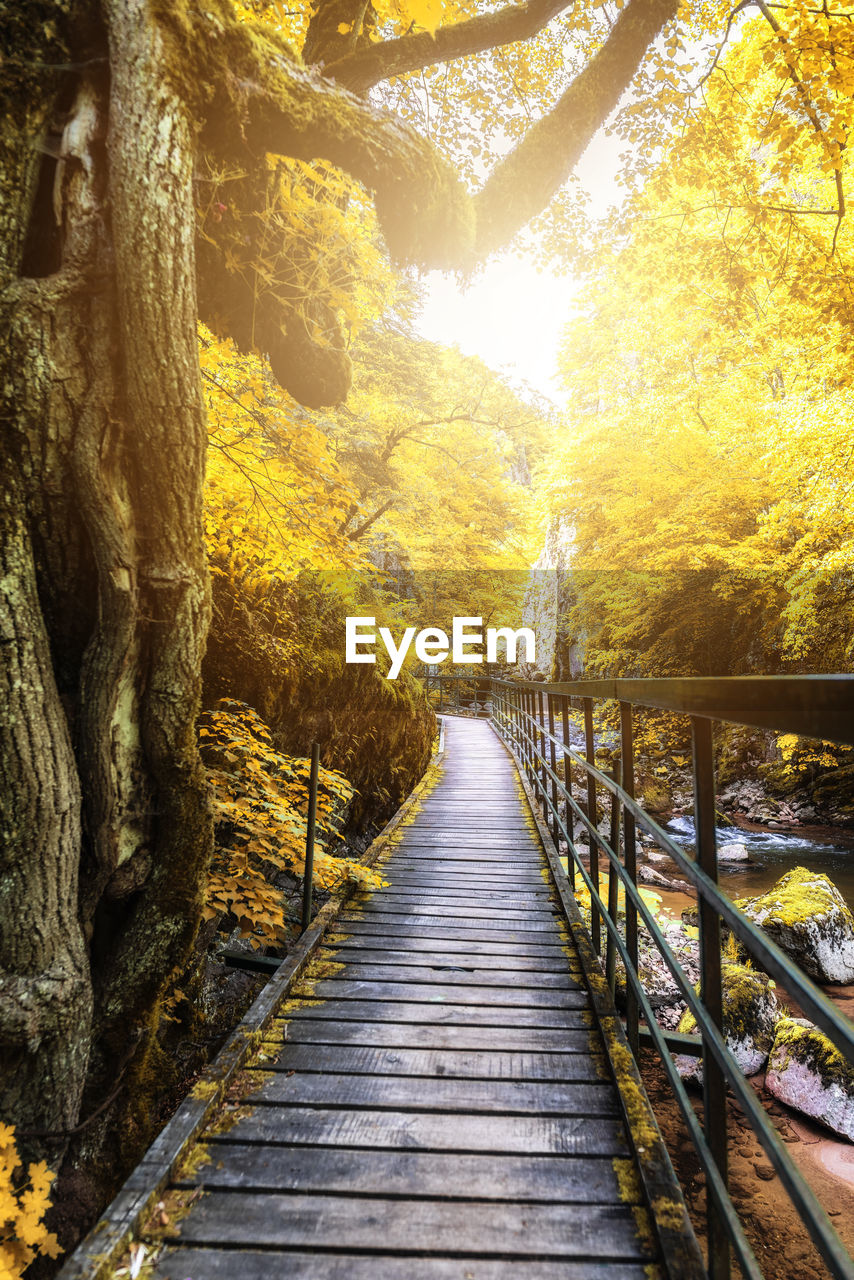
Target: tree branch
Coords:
[(364, 68), (525, 182), (811, 111), (424, 211), (363, 528)]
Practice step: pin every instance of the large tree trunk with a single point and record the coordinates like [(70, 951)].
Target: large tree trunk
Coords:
[(103, 583)]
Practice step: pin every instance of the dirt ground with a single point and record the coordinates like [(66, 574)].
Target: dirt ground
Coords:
[(782, 1245)]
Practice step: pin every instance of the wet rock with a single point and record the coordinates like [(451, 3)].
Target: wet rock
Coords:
[(806, 915), (806, 1072), (751, 1011), (733, 851), (648, 875)]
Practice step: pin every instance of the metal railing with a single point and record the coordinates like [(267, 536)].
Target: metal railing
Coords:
[(534, 721)]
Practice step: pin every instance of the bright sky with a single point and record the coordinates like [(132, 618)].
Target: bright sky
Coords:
[(512, 315)]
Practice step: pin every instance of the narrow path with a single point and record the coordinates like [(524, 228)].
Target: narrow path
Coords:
[(437, 1104)]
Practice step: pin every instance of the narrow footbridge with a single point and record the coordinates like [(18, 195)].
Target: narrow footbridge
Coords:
[(434, 1099)]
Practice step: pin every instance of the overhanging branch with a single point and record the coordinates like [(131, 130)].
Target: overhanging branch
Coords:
[(526, 181), (364, 68)]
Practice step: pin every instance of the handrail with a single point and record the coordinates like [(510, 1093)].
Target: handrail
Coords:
[(525, 714)]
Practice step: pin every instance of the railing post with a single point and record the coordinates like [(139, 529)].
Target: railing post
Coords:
[(714, 1082), (627, 751), (613, 887), (311, 821), (590, 751), (553, 763), (569, 816), (544, 777)]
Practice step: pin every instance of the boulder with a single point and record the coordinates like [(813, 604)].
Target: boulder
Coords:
[(733, 851), (751, 1011), (806, 1072), (806, 915), (649, 875)]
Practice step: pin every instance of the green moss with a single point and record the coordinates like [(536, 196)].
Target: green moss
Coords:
[(320, 968), (816, 1051), (669, 1213), (798, 897), (628, 1181), (297, 1003), (744, 994), (204, 1089), (642, 1124)]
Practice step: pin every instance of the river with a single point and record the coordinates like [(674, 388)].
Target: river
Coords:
[(774, 852)]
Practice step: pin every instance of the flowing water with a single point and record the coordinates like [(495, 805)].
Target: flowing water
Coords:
[(774, 852)]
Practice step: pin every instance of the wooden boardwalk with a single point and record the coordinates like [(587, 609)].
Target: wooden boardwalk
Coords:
[(434, 1101)]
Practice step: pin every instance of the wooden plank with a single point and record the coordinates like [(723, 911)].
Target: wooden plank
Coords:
[(225, 1264), (428, 1131), (450, 1064), (483, 908), (471, 824), (441, 992), (511, 857), (445, 1014), (440, 848), (502, 833), (500, 837), (445, 879), (429, 1093), (460, 961), (508, 895), (444, 972), (444, 896), (469, 948), (458, 807), (479, 924), (393, 927), (429, 883), (519, 917), (416, 1174), (432, 1037), (407, 898), (480, 1228)]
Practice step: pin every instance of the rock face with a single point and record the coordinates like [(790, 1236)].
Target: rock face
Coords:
[(751, 1011), (805, 1071), (807, 916)]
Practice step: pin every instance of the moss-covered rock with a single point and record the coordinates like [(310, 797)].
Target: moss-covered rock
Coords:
[(806, 1072), (751, 1011), (806, 915)]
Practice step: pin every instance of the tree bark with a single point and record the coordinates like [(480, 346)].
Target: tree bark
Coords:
[(104, 584)]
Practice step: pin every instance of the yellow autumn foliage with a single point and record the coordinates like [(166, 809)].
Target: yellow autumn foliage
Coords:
[(260, 799), (24, 1201), (706, 474)]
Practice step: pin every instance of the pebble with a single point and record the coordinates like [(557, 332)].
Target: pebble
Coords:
[(764, 1171)]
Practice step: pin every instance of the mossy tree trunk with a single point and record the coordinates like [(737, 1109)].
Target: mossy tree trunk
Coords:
[(105, 588)]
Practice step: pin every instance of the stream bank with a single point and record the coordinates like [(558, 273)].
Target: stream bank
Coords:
[(781, 1243)]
